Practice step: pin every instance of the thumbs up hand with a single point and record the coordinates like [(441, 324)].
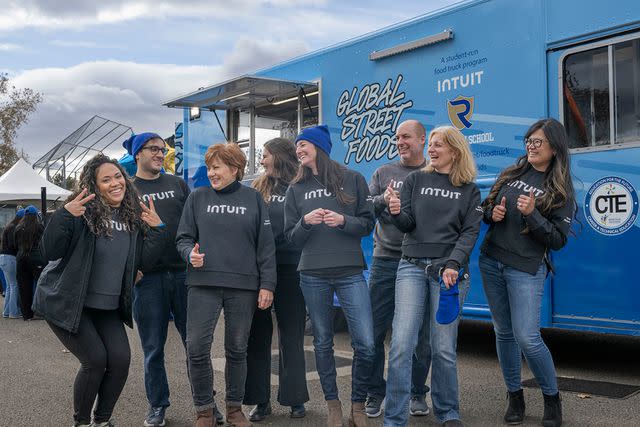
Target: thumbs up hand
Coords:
[(195, 257), (394, 204), (499, 211), (526, 204)]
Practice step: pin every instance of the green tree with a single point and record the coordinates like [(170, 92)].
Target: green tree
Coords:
[(15, 107)]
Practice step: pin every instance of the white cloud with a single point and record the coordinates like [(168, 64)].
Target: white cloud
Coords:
[(4, 47), (128, 92), (77, 14)]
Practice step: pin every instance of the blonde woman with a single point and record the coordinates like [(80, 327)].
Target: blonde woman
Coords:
[(439, 211)]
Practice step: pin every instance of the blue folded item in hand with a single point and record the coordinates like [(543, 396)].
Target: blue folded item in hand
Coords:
[(449, 303)]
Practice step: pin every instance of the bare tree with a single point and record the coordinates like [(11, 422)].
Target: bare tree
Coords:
[(15, 107)]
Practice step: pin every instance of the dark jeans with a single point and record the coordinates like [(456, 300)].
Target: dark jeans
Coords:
[(290, 312), (102, 347), (27, 273), (382, 288), (353, 295), (204, 307), (155, 297)]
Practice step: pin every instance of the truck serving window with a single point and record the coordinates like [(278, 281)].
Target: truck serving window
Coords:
[(278, 119), (601, 95)]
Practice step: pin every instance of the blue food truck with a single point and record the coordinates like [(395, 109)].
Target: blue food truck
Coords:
[(491, 68)]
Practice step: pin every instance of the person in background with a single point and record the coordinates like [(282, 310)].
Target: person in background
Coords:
[(439, 211), (280, 166), (8, 254), (529, 211), (225, 235), (328, 211), (29, 263), (95, 245), (161, 292), (387, 180)]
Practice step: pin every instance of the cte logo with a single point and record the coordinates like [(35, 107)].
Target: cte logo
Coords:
[(611, 205), (460, 111)]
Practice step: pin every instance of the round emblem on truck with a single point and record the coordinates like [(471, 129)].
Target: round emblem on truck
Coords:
[(611, 205)]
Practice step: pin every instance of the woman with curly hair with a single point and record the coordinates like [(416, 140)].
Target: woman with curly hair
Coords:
[(97, 243), (529, 211)]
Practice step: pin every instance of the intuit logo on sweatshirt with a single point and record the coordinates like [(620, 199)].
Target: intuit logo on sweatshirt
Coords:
[(316, 194), (525, 188), (118, 226), (276, 199), (440, 192), (159, 196), (226, 209)]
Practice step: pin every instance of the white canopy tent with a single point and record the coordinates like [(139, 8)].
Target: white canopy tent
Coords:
[(21, 185)]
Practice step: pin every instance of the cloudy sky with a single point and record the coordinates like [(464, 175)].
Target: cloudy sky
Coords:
[(121, 59)]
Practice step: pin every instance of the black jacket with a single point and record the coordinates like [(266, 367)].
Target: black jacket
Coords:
[(69, 246)]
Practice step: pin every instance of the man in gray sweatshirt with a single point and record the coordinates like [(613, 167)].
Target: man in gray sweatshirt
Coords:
[(410, 139)]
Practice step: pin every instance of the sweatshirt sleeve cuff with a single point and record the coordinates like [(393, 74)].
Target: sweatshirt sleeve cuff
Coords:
[(535, 219), (268, 286)]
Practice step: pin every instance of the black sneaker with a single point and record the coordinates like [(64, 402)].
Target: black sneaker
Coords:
[(373, 406), (155, 417), (418, 406), (260, 412), (217, 414), (298, 411)]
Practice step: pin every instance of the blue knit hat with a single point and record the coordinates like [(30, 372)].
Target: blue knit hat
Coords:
[(318, 136), (20, 213), (136, 142), (31, 210)]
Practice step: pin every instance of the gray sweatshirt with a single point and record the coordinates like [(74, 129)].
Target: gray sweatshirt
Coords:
[(440, 220), (325, 247), (505, 240), (233, 230), (387, 239)]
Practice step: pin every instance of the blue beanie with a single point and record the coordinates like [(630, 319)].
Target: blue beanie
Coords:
[(136, 142), (20, 213), (31, 210), (318, 136)]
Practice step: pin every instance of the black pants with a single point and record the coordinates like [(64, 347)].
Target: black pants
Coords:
[(27, 273), (102, 347), (290, 314)]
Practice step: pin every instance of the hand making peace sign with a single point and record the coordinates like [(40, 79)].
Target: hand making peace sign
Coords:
[(76, 206), (149, 214)]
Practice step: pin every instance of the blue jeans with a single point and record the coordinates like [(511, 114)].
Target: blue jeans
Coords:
[(155, 297), (382, 289), (417, 297), (353, 295), (11, 295), (515, 300)]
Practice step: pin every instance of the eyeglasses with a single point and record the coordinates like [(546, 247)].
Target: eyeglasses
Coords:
[(533, 142), (155, 150)]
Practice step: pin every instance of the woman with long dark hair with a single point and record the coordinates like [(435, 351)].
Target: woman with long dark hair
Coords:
[(280, 167), (225, 235), (328, 210), (529, 211), (439, 212), (29, 263), (8, 254), (97, 242)]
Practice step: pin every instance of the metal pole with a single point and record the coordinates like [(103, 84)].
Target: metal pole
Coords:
[(43, 203), (252, 141)]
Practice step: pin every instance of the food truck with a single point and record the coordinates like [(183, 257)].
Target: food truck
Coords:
[(491, 68)]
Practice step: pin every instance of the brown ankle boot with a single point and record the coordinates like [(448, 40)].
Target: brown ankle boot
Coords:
[(204, 418), (334, 419), (236, 418), (358, 418)]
